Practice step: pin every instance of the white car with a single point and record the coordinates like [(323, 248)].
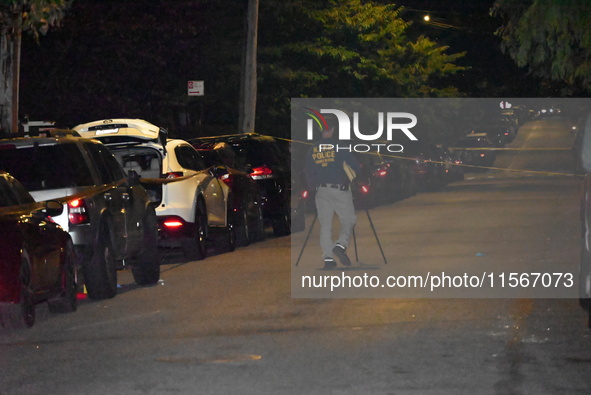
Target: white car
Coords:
[(193, 203)]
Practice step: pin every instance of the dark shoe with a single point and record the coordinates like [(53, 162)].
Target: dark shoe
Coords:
[(341, 253), (329, 263)]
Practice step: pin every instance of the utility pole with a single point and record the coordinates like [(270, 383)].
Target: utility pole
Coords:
[(10, 52), (248, 88)]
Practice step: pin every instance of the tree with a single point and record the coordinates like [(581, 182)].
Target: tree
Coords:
[(16, 16), (552, 38), (350, 48)]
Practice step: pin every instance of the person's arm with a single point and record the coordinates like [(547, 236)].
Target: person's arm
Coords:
[(310, 171), (352, 161)]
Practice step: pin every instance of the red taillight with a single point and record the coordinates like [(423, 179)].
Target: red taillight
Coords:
[(482, 155), (173, 223), (364, 189), (304, 194), (173, 174), (227, 179), (382, 173), (259, 173), (77, 213)]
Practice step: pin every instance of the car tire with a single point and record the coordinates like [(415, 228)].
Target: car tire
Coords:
[(195, 247), (146, 264), (243, 230), (100, 271), (298, 222), (282, 224), (257, 231), (20, 315), (225, 240), (585, 279), (67, 302)]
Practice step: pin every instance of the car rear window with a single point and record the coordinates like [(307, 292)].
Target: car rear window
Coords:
[(258, 153), (47, 167)]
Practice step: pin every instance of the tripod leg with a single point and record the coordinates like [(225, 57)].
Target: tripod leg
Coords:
[(307, 237), (376, 235)]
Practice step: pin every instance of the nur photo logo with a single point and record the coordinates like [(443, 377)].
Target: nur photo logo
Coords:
[(388, 124)]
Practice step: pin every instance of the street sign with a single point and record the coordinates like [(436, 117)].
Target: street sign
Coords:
[(195, 88)]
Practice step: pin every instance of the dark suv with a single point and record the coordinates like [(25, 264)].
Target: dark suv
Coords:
[(267, 160), (107, 213)]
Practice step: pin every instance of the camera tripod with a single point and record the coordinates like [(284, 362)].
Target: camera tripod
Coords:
[(354, 239)]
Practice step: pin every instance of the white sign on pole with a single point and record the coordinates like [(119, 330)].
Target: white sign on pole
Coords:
[(195, 88)]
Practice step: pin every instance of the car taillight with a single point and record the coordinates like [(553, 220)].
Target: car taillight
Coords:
[(364, 189), (77, 213), (173, 174), (382, 172), (173, 223), (482, 155), (304, 194), (259, 173), (227, 179)]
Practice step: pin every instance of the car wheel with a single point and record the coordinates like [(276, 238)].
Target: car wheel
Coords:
[(298, 222), (67, 302), (146, 264), (100, 272), (226, 237), (281, 224), (243, 230), (257, 231), (585, 279), (22, 314), (195, 247)]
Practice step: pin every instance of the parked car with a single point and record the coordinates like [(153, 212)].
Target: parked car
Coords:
[(37, 263), (467, 148), (194, 205), (108, 214), (498, 132), (268, 163), (394, 177), (454, 171), (246, 202), (427, 164)]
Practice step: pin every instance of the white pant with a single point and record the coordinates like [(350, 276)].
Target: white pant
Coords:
[(328, 202)]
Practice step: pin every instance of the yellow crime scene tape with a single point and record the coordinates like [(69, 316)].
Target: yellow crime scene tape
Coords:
[(26, 209), (474, 166)]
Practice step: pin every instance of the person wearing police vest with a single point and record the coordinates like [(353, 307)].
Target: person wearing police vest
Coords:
[(325, 173)]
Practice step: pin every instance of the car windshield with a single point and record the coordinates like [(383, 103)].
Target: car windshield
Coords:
[(47, 167)]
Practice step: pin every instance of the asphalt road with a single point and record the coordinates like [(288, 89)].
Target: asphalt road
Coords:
[(229, 324)]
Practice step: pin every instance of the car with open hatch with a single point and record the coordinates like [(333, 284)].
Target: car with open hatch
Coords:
[(194, 206), (107, 213)]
